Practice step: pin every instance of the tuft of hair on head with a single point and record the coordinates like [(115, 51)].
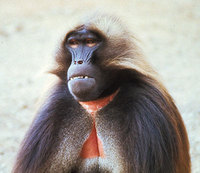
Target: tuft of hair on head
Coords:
[(127, 54)]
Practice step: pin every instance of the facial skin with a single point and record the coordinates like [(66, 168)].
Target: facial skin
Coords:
[(86, 80)]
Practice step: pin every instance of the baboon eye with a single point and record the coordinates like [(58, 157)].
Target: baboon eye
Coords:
[(91, 42), (73, 43)]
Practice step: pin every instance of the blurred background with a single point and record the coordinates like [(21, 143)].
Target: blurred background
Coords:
[(30, 32)]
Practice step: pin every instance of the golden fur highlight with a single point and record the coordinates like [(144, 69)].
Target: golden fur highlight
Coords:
[(117, 33)]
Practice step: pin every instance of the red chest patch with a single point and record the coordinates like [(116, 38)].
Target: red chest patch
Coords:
[(93, 146)]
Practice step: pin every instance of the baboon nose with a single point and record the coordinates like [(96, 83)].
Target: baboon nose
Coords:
[(78, 62)]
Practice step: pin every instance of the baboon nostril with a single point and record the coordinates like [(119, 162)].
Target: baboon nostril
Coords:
[(80, 62)]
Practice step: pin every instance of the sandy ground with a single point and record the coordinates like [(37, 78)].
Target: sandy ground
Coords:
[(31, 30)]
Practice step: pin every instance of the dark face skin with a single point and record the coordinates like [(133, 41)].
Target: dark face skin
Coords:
[(86, 80)]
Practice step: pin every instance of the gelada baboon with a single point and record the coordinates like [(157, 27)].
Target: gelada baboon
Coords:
[(108, 113)]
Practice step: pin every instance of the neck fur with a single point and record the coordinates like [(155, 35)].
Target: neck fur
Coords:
[(93, 106)]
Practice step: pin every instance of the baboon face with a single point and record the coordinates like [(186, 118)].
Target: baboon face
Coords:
[(87, 79)]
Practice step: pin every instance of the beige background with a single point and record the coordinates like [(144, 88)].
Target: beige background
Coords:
[(31, 30)]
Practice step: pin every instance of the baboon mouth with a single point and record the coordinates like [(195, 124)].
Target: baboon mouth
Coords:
[(79, 77)]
